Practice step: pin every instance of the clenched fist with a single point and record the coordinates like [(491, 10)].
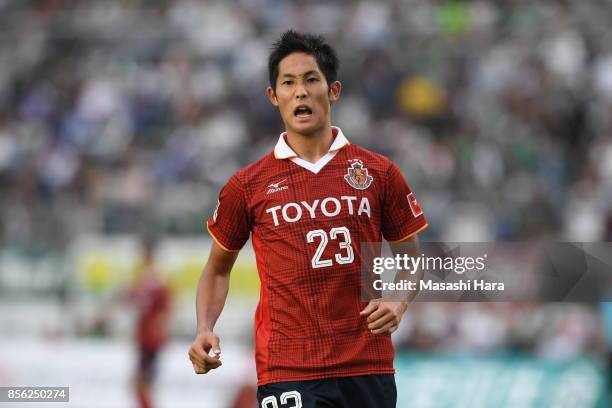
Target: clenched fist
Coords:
[(199, 351)]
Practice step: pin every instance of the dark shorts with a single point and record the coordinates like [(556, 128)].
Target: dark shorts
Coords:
[(364, 391), (147, 362)]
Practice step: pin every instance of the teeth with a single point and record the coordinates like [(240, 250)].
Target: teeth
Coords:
[(300, 111)]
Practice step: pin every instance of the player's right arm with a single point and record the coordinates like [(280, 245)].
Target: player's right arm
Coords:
[(229, 227), (210, 299)]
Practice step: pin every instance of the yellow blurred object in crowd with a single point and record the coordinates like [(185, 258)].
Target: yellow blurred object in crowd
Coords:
[(420, 96), (97, 274)]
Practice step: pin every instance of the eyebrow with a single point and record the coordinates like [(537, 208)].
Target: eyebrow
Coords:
[(312, 71)]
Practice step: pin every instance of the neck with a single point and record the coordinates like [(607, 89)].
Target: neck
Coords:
[(311, 147)]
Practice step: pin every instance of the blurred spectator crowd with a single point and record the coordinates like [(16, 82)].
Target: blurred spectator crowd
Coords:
[(126, 116), (117, 116), (552, 331)]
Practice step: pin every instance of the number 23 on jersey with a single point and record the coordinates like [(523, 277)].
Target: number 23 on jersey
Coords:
[(346, 254)]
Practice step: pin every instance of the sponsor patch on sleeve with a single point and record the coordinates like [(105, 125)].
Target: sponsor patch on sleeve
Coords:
[(415, 207)]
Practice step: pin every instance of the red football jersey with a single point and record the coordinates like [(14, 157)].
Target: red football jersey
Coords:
[(307, 221), (152, 298)]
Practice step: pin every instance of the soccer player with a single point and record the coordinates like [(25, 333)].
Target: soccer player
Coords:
[(151, 296), (308, 205)]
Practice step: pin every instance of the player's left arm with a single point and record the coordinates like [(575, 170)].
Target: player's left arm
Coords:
[(384, 316), (402, 219)]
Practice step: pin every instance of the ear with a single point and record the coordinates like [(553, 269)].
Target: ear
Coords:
[(334, 91), (271, 96)]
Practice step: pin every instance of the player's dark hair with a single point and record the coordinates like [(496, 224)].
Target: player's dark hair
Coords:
[(315, 45)]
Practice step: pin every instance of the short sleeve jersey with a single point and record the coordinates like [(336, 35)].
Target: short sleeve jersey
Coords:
[(307, 222), (153, 299)]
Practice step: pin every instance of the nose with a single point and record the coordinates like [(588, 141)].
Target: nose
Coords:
[(300, 91)]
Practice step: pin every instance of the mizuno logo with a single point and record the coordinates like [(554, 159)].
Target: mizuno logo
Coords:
[(274, 187)]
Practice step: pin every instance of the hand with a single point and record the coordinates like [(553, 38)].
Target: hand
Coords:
[(384, 317), (198, 352)]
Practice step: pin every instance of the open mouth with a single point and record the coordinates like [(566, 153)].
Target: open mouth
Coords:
[(302, 111)]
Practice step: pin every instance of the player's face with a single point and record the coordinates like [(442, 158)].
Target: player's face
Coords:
[(302, 94)]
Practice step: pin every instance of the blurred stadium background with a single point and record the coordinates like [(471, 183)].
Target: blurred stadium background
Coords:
[(119, 118)]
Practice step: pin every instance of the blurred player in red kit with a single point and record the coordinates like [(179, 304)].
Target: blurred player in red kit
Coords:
[(152, 298), (308, 205)]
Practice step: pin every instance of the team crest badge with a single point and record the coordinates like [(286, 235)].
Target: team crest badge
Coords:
[(358, 176)]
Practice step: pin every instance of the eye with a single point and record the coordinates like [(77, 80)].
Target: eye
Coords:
[(287, 82), (313, 79)]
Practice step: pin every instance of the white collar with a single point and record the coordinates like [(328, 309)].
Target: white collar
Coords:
[(283, 151)]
